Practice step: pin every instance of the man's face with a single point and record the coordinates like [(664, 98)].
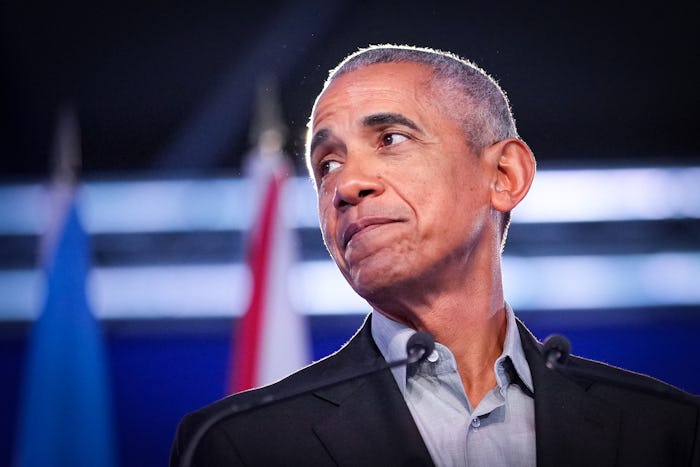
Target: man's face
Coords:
[(402, 200)]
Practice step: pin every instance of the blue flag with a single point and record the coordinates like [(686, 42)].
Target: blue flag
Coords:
[(65, 416)]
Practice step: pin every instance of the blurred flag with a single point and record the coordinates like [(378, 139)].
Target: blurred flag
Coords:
[(65, 414), (271, 338)]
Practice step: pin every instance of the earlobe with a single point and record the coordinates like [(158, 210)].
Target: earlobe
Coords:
[(514, 171)]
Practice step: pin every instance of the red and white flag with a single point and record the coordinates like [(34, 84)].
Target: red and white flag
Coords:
[(271, 338)]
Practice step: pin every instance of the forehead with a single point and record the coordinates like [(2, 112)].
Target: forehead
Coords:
[(377, 87)]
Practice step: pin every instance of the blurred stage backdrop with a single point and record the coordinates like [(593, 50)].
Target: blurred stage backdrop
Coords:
[(136, 230)]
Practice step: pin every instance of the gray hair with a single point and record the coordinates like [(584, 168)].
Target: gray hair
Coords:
[(483, 109)]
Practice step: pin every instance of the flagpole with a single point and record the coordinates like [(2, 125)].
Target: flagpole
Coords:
[(271, 339)]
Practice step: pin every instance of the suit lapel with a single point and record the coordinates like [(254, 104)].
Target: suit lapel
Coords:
[(572, 427), (371, 424)]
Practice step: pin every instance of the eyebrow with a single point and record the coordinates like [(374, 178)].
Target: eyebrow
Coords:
[(389, 118), (318, 138)]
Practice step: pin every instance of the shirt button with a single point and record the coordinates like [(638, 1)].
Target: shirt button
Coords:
[(476, 422), (433, 357)]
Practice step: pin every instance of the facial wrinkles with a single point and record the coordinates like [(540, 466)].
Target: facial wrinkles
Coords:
[(340, 112), (359, 91)]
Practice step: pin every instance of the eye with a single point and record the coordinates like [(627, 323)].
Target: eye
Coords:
[(393, 138), (328, 166)]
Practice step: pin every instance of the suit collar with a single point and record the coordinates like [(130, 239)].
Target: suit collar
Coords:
[(570, 424), (372, 424), (357, 355)]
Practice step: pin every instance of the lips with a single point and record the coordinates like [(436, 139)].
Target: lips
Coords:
[(362, 224)]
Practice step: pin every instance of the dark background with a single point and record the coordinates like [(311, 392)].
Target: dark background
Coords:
[(167, 88)]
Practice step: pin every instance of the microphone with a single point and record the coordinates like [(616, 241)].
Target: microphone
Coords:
[(419, 346), (557, 349)]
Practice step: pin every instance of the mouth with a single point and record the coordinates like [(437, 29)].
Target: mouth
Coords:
[(363, 225)]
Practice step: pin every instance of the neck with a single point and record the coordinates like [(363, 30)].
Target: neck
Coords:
[(467, 316)]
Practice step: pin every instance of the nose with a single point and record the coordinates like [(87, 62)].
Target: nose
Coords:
[(358, 180)]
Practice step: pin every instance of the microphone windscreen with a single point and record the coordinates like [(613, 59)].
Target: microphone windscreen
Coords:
[(419, 342), (558, 347)]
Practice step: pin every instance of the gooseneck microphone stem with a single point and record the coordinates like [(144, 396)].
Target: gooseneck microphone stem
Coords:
[(556, 351), (418, 347)]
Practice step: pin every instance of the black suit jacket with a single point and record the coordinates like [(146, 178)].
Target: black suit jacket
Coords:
[(365, 422)]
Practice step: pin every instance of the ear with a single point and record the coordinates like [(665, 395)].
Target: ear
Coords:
[(515, 169)]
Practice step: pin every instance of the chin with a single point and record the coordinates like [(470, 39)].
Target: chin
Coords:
[(376, 284)]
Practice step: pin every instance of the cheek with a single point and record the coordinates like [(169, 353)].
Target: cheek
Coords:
[(328, 225), (446, 205), (432, 193)]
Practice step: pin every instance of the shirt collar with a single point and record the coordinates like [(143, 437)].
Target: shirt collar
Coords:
[(513, 348), (391, 338)]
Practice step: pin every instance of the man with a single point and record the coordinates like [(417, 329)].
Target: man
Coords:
[(417, 165)]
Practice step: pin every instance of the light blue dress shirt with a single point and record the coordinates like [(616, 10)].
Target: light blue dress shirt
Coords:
[(499, 431)]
